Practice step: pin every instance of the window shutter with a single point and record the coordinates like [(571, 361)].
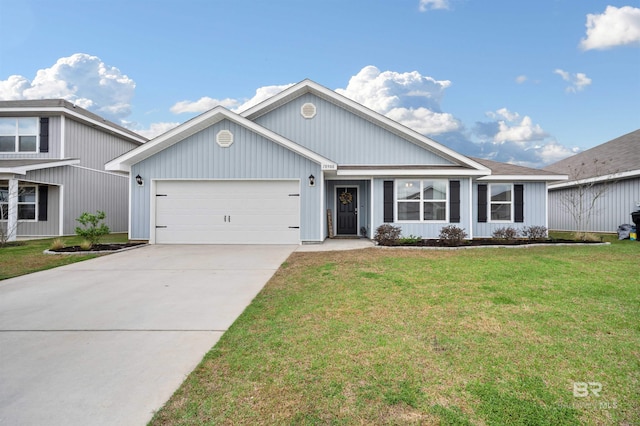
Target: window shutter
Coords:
[(388, 201), (518, 196), (482, 203), (454, 201), (44, 134), (43, 202)]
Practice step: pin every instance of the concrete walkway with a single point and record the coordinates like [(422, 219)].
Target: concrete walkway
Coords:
[(337, 244), (107, 341)]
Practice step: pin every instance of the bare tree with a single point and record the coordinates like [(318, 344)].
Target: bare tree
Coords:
[(581, 200)]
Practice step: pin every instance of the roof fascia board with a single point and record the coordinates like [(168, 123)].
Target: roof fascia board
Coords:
[(315, 88), (77, 115), (613, 176), (219, 113), (546, 178), (411, 172), (22, 170)]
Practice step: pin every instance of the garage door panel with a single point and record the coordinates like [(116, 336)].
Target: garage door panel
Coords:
[(228, 212)]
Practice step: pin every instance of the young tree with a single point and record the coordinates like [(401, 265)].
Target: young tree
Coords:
[(581, 200)]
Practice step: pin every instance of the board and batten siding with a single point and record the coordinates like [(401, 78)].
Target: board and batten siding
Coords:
[(610, 211), (535, 210), (92, 146), (251, 156), (55, 134), (343, 136), (49, 227), (86, 190), (425, 229)]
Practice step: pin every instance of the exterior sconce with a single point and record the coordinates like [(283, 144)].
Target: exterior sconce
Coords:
[(312, 180), (139, 180)]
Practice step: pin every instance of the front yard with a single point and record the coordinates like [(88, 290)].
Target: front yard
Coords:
[(26, 256), (537, 336)]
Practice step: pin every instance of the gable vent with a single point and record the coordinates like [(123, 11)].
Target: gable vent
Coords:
[(224, 138), (308, 110)]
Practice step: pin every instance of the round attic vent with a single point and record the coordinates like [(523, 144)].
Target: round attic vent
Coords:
[(308, 110), (224, 138)]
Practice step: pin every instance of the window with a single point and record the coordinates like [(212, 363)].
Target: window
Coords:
[(501, 202), (19, 134), (27, 200), (422, 200)]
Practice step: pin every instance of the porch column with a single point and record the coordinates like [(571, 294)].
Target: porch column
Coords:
[(12, 219)]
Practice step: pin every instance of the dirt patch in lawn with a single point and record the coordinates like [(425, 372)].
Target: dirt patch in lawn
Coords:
[(96, 248)]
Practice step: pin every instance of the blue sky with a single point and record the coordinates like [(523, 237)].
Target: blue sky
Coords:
[(525, 82)]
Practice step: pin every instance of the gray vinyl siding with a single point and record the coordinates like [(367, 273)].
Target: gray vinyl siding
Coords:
[(93, 147), (535, 210), (251, 156), (54, 143), (611, 210), (364, 202), (424, 230), (49, 227), (343, 136), (86, 191)]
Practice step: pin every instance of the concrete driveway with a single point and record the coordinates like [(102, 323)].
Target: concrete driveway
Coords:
[(107, 341)]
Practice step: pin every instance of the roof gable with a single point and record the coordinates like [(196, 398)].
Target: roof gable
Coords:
[(201, 122), (308, 86)]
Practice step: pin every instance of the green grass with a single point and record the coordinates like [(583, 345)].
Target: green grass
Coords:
[(27, 256), (469, 337)]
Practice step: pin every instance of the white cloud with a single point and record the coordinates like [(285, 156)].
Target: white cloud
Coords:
[(262, 94), (206, 103), (409, 98), (156, 129), (614, 27), (80, 78), (201, 105), (522, 131), (521, 79), (433, 4), (577, 81)]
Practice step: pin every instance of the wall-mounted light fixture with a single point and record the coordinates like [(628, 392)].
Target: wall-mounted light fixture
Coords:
[(139, 180), (312, 180)]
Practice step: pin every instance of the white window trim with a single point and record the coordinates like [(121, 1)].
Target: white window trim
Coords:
[(16, 136), (35, 203), (421, 201), (490, 203)]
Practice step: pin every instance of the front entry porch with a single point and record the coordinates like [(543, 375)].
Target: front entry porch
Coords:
[(348, 208)]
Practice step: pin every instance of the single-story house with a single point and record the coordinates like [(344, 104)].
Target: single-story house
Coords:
[(52, 156), (603, 187), (308, 164)]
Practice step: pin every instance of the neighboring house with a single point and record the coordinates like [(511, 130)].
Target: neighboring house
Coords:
[(52, 156), (309, 163), (610, 171)]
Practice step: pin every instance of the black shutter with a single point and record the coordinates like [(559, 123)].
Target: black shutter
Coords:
[(482, 202), (519, 202), (44, 134), (454, 201), (388, 201), (43, 202)]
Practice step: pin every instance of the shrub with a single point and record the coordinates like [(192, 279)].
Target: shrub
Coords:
[(535, 232), (452, 235), (387, 235), (85, 245), (507, 234), (57, 244), (92, 230), (410, 240)]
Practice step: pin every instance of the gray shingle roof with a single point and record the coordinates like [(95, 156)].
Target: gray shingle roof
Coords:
[(506, 169), (616, 156)]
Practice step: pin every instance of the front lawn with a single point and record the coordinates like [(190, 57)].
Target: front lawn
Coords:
[(26, 256), (488, 337)]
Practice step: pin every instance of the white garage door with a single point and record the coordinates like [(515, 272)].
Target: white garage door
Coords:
[(227, 212)]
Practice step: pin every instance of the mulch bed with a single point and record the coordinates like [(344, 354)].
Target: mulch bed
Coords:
[(96, 248), (488, 242)]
